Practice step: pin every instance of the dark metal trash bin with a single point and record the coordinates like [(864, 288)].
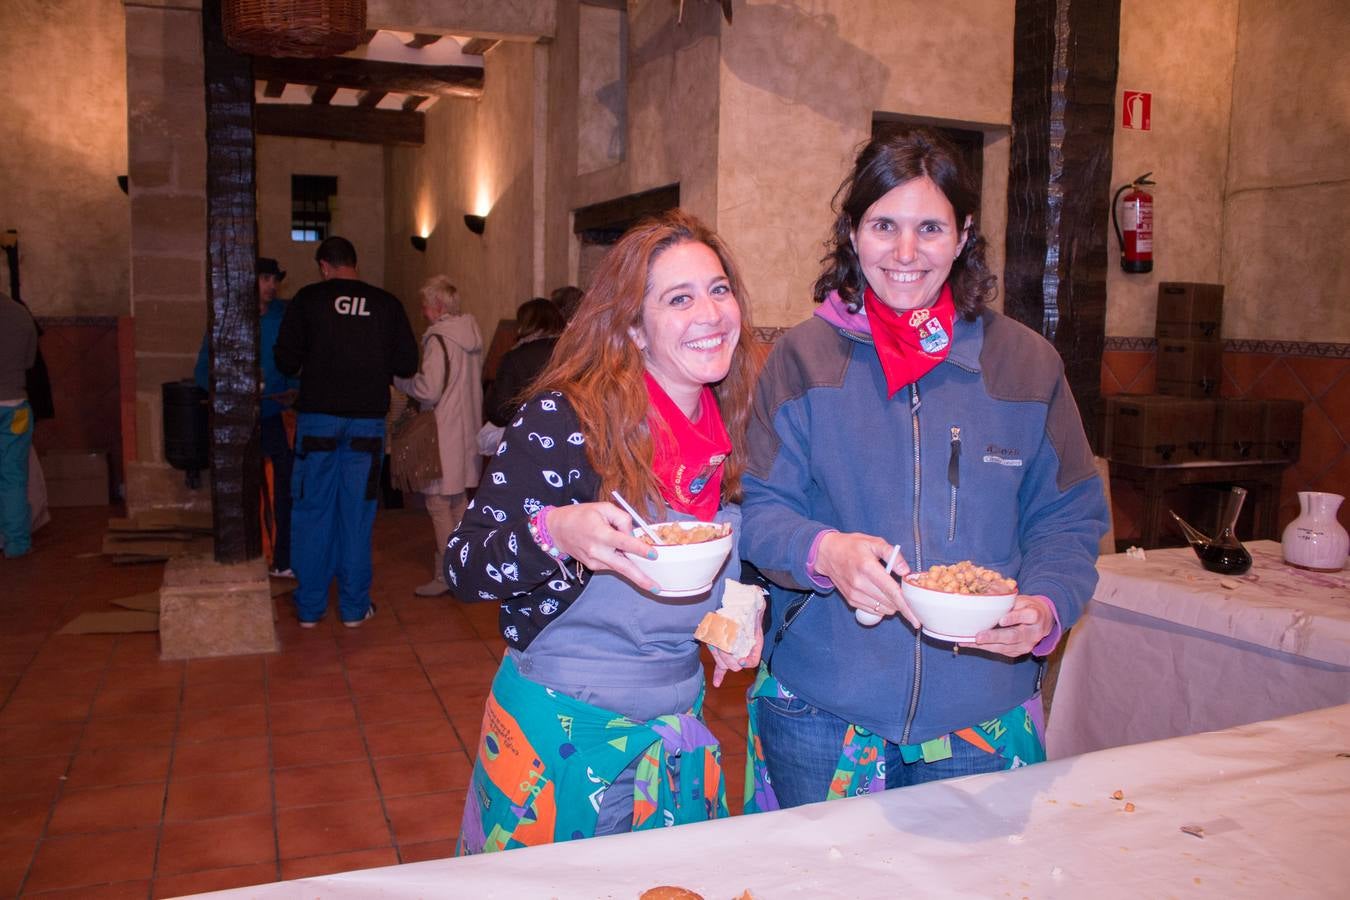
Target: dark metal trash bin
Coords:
[(187, 444)]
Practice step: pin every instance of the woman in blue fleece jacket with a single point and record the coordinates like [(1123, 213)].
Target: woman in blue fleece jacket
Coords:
[(905, 412)]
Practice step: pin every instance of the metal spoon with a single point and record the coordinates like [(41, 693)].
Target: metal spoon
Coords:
[(642, 523)]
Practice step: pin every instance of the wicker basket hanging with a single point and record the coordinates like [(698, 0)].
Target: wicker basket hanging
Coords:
[(308, 28)]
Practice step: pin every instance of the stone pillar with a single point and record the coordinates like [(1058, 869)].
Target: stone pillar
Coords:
[(208, 609), (166, 155), (1059, 181)]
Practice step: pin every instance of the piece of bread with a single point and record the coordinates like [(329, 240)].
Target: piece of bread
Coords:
[(732, 627), (669, 892)]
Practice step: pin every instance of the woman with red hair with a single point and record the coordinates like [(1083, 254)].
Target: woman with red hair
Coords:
[(594, 724)]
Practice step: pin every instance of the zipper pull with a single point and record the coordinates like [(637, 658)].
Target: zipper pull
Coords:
[(954, 462)]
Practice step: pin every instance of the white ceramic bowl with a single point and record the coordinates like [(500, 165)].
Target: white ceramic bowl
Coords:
[(685, 570), (954, 617)]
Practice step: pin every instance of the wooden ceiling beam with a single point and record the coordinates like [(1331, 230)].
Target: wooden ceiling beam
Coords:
[(411, 102), (371, 99), (274, 88), (323, 95), (372, 75), (418, 41), (341, 123), (478, 46)]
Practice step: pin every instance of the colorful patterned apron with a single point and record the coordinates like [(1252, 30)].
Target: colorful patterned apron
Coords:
[(861, 769)]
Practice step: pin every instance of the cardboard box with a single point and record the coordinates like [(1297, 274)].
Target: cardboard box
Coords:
[(1189, 311), (1159, 430), (76, 477), (1189, 368)]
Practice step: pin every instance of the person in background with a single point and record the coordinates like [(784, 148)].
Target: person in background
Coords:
[(345, 339), (568, 300), (18, 351), (594, 724), (451, 382), (278, 393), (905, 414), (538, 324)]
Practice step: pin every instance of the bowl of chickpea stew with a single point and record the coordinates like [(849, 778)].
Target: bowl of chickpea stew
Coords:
[(956, 602)]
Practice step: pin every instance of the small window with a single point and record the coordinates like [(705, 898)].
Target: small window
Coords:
[(313, 198)]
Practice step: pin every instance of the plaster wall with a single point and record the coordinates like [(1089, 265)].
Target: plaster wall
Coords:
[(478, 158), (799, 84), (601, 100), (671, 120), (359, 216), (1187, 62), (1288, 187), (64, 142)]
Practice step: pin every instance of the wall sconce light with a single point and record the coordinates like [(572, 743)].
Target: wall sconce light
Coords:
[(419, 243), (476, 224)]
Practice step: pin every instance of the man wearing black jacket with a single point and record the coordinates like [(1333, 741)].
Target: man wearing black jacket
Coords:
[(345, 339)]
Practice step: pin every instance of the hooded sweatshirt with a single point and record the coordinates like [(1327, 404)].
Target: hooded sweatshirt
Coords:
[(452, 384)]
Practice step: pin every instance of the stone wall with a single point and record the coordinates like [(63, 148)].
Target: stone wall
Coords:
[(64, 142), (166, 125)]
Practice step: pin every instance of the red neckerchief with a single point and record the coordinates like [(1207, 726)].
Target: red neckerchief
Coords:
[(910, 342), (687, 456)]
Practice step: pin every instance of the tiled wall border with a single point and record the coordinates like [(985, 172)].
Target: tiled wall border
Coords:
[(1275, 348), (45, 322)]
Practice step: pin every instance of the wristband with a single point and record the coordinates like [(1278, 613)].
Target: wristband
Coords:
[(538, 526)]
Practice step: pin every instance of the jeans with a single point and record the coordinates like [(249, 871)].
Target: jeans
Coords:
[(802, 745), (333, 490), (16, 436), (277, 448)]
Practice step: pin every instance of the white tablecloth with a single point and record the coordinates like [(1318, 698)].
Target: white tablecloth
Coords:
[(1167, 649), (1269, 799)]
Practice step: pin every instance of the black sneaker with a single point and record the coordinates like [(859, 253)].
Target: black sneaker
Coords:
[(357, 623)]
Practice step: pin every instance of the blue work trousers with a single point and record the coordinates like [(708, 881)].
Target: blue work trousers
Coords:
[(16, 437), (333, 490)]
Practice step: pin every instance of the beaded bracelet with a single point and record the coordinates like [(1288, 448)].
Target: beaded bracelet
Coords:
[(538, 526)]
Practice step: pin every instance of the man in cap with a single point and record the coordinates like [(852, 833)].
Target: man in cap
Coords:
[(278, 393)]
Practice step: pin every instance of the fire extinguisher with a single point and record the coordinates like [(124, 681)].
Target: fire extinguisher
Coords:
[(1136, 240)]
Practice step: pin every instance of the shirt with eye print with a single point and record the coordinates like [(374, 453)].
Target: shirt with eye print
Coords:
[(541, 461)]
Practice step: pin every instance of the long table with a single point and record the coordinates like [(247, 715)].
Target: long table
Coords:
[(1250, 812), (1167, 648)]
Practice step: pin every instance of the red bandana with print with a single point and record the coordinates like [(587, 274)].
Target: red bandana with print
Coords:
[(687, 456), (910, 342)]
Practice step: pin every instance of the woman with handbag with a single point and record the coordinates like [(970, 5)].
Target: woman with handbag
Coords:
[(449, 387)]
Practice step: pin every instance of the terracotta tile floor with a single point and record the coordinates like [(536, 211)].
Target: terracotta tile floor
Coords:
[(124, 776)]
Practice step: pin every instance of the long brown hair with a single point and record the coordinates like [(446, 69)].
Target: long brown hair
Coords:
[(597, 366)]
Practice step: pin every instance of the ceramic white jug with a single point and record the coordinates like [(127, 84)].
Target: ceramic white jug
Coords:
[(1315, 540)]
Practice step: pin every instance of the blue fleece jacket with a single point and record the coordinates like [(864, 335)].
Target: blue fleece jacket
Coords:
[(269, 323), (984, 458)]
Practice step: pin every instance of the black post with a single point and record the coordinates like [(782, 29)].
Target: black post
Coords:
[(232, 291)]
